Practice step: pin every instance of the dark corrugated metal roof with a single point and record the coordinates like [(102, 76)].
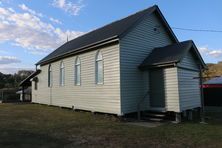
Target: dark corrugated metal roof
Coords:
[(111, 30), (168, 54), (26, 81), (216, 80)]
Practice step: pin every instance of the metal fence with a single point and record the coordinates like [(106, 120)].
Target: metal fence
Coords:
[(9, 95)]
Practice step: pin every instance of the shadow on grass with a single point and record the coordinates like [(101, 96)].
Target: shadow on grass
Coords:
[(19, 138)]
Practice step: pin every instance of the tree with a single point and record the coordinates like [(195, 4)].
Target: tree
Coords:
[(12, 81), (213, 70)]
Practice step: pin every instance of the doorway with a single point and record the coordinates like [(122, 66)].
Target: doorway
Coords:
[(157, 89)]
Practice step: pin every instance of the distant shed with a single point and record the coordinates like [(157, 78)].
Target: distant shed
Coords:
[(213, 92)]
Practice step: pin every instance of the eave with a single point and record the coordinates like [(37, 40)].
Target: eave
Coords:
[(87, 48)]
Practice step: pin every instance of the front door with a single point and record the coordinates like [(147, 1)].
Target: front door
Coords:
[(157, 89)]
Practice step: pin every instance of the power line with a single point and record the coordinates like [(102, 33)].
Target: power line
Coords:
[(198, 30)]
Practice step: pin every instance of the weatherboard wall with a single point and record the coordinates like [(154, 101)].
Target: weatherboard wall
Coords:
[(134, 48), (171, 89), (189, 90), (42, 94), (89, 95), (189, 62)]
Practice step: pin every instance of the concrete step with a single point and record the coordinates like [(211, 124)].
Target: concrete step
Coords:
[(156, 116), (153, 119)]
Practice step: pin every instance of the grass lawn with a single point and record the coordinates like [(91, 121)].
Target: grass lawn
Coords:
[(31, 125)]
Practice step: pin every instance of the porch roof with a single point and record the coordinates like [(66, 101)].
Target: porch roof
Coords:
[(170, 55), (26, 81)]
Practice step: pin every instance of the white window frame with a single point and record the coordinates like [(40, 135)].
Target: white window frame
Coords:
[(99, 58), (62, 74), (77, 64)]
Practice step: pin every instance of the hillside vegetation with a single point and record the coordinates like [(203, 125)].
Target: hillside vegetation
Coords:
[(213, 70)]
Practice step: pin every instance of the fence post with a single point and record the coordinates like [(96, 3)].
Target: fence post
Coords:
[(2, 95), (23, 94)]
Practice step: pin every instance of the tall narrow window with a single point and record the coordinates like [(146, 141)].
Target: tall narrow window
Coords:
[(62, 74), (36, 85), (99, 68), (35, 80), (50, 76), (77, 71)]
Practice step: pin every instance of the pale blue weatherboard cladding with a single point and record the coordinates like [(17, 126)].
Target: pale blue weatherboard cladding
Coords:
[(134, 48), (189, 90), (189, 62)]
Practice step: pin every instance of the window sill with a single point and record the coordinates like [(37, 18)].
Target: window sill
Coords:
[(99, 83)]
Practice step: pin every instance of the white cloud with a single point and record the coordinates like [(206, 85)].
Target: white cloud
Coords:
[(25, 8), (55, 20), (11, 9), (13, 70), (9, 60), (68, 6), (215, 53), (28, 31)]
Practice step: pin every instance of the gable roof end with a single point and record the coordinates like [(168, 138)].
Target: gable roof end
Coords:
[(197, 53), (166, 25)]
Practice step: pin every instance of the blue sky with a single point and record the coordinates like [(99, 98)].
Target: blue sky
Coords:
[(31, 29)]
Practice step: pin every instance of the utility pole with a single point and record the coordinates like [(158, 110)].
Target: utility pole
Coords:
[(23, 93), (202, 111), (202, 97)]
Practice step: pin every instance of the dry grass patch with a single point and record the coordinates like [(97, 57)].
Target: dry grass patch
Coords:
[(31, 125)]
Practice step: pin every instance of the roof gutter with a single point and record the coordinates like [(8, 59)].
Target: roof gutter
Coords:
[(80, 50), (167, 64)]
